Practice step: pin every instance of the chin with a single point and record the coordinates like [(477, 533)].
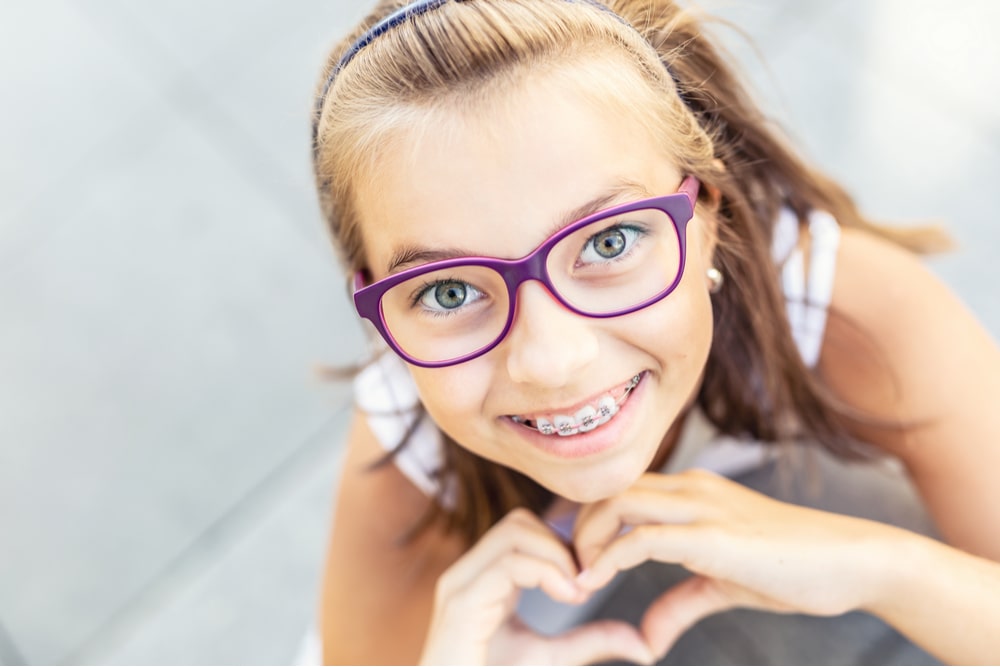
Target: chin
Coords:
[(599, 483)]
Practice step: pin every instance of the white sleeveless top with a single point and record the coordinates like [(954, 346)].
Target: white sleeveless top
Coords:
[(385, 391)]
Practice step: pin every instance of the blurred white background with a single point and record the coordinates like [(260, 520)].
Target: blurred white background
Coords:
[(167, 457)]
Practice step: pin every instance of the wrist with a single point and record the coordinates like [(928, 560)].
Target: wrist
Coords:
[(901, 560)]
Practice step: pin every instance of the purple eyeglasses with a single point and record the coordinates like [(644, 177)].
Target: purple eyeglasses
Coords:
[(608, 264)]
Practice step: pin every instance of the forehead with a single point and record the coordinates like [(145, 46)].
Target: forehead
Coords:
[(495, 183)]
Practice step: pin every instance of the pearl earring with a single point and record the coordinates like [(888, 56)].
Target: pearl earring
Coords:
[(715, 279)]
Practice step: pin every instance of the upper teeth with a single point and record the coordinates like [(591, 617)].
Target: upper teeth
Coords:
[(586, 418)]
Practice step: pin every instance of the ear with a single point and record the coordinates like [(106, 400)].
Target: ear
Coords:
[(714, 194), (708, 216)]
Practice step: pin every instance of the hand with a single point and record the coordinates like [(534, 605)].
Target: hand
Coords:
[(474, 622), (745, 550)]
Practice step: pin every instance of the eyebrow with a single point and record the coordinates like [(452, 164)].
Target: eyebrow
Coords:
[(621, 192)]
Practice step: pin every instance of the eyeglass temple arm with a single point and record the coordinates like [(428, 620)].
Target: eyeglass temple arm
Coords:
[(690, 186)]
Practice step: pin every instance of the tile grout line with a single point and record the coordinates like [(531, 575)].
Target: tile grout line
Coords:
[(222, 130), (208, 117), (212, 544), (10, 654)]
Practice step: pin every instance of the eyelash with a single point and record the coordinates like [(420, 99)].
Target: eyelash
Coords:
[(639, 230), (421, 291)]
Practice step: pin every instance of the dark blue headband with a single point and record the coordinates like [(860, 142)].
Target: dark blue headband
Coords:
[(385, 25)]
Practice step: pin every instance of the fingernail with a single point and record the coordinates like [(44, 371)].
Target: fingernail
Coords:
[(573, 592), (642, 656), (589, 580)]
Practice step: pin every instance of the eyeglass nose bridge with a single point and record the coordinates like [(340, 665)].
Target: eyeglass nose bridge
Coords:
[(519, 271)]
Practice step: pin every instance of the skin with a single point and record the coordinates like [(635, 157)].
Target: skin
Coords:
[(552, 358), (737, 542)]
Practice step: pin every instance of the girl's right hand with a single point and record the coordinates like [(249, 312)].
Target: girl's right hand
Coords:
[(474, 622)]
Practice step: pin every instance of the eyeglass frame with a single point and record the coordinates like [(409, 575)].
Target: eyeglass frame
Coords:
[(678, 206)]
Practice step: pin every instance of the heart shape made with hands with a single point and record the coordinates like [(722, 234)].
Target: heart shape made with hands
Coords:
[(662, 519), (669, 614), (666, 618), (730, 537)]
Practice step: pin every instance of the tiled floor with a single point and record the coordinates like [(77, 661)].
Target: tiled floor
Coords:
[(166, 455)]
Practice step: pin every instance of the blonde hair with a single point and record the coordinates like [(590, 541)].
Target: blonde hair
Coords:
[(464, 55)]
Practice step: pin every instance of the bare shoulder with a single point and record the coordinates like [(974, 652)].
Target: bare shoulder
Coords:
[(378, 591), (891, 316), (901, 346)]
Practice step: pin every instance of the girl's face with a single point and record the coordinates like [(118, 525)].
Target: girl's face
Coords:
[(497, 187)]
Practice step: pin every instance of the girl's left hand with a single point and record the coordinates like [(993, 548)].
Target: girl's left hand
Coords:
[(745, 550)]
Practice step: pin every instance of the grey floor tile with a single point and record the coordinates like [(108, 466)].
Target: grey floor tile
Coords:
[(172, 44), (64, 92), (162, 345), (287, 66), (252, 602), (245, 72), (195, 37)]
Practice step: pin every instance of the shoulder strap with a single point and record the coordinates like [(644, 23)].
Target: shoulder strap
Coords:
[(385, 392), (807, 298)]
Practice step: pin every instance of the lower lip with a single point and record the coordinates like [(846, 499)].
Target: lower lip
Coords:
[(590, 443)]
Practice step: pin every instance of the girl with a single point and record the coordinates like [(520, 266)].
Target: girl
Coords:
[(598, 271)]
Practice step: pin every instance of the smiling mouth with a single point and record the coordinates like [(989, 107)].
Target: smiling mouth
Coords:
[(587, 418)]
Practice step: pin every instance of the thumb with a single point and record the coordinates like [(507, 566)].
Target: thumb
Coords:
[(674, 612), (598, 642)]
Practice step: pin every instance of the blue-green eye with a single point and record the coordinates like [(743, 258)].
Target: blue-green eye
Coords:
[(447, 295), (610, 244)]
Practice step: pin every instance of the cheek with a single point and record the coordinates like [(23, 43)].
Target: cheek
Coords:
[(679, 329), (453, 397)]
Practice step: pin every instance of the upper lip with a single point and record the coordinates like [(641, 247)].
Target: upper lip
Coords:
[(614, 390)]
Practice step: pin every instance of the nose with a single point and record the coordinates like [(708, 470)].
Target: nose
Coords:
[(547, 344)]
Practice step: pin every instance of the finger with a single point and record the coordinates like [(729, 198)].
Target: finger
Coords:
[(513, 571), (599, 642), (520, 532), (475, 611), (674, 612), (688, 545), (604, 522), (521, 571), (536, 538)]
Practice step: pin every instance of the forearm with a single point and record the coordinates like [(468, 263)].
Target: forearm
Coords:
[(943, 599), (355, 632)]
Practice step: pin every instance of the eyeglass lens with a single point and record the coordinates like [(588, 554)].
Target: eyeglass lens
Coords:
[(608, 266)]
